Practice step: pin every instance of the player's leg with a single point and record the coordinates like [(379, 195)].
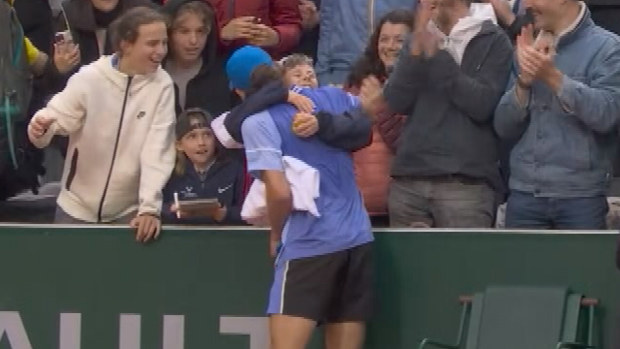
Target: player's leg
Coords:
[(290, 332), (345, 335), (353, 302), (300, 296)]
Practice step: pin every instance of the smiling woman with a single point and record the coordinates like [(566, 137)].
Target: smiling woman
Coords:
[(141, 41), (372, 164)]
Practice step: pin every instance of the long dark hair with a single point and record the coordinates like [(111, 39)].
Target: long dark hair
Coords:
[(370, 63)]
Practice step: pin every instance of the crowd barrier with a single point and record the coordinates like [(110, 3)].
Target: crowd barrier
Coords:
[(90, 287)]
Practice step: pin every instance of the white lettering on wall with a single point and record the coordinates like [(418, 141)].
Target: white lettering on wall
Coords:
[(12, 326), (129, 331), (256, 327), (174, 332), (70, 331)]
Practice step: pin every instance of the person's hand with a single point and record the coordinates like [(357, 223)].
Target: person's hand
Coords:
[(240, 28), (371, 95), (219, 214), (147, 227), (309, 14), (66, 56), (273, 247), (525, 40), (542, 67), (264, 36), (301, 102), (429, 43), (305, 125), (38, 126), (423, 14)]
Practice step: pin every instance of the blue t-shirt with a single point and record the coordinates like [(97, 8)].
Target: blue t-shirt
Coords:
[(344, 222)]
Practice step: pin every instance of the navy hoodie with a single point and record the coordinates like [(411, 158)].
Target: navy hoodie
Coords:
[(224, 181)]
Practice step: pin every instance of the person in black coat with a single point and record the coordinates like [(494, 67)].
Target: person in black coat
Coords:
[(193, 62), (35, 17), (88, 23)]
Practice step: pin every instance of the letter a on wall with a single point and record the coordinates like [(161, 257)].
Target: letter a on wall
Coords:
[(12, 326)]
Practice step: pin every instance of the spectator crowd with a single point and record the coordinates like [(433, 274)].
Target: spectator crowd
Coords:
[(318, 119), (467, 114)]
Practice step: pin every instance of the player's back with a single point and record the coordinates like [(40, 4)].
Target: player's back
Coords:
[(344, 221)]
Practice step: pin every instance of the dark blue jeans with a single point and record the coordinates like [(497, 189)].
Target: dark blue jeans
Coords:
[(524, 210)]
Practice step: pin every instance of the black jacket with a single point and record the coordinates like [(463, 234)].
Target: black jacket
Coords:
[(35, 17), (209, 89), (225, 181), (449, 130), (81, 18)]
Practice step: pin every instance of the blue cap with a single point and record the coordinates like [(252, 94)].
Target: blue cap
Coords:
[(241, 64)]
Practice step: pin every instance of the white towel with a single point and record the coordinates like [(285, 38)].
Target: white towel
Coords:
[(305, 184), (217, 125)]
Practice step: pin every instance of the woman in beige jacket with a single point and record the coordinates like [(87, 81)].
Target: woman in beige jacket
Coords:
[(119, 115)]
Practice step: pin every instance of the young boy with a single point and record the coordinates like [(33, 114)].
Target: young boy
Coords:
[(347, 131)]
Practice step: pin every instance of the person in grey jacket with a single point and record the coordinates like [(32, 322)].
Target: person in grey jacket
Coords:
[(563, 114), (448, 81)]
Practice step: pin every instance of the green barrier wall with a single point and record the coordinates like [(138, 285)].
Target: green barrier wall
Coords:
[(180, 292)]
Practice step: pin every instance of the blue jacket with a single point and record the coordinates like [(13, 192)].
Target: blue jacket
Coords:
[(224, 181), (346, 26), (565, 144)]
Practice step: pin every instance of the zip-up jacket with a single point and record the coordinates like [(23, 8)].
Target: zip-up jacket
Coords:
[(121, 141), (449, 127), (566, 142), (224, 181)]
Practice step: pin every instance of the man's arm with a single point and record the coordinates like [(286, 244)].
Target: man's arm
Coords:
[(350, 131), (279, 201), (264, 159), (405, 82), (476, 96), (595, 102), (271, 94), (511, 117)]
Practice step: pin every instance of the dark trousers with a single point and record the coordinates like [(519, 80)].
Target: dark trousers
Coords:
[(526, 211)]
